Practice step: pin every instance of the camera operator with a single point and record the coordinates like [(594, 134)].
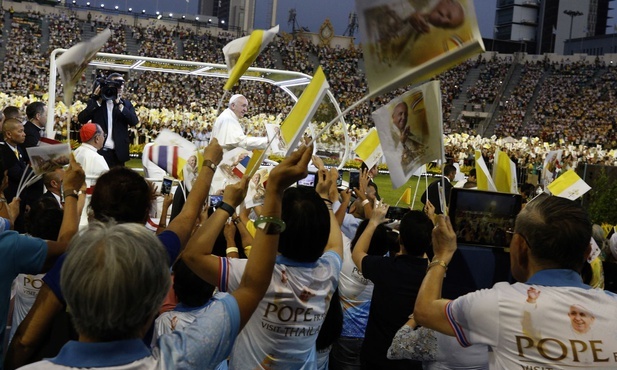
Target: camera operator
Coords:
[(107, 108)]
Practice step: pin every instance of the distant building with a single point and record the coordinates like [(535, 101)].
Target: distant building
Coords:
[(543, 25), (233, 15)]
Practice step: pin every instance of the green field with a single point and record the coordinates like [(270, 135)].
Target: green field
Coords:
[(388, 195)]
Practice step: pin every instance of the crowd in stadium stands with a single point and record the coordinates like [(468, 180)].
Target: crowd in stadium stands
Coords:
[(492, 74), (570, 97)]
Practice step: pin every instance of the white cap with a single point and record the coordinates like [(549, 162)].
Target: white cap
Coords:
[(235, 97)]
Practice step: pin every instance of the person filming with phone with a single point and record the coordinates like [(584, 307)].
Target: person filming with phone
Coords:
[(115, 115)]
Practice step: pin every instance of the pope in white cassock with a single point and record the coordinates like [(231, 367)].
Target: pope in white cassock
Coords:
[(228, 131)]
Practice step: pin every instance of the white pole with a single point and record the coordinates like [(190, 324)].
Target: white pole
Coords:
[(273, 14), (51, 100)]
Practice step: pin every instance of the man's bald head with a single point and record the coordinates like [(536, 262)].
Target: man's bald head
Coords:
[(13, 131)]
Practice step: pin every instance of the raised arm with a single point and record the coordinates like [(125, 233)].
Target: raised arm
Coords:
[(74, 179), (362, 194), (430, 307), (167, 201), (182, 225), (258, 271), (364, 241), (335, 240), (230, 238), (198, 252), (33, 330), (342, 209)]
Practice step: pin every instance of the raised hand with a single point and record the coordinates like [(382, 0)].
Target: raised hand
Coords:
[(379, 214), (235, 193), (292, 169), (444, 238), (213, 152), (74, 176)]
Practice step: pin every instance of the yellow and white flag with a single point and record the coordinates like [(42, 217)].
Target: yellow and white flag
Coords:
[(241, 53), (504, 173), (369, 148), (73, 62), (297, 121), (483, 176), (569, 186)]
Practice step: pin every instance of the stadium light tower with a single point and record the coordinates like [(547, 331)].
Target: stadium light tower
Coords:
[(572, 14)]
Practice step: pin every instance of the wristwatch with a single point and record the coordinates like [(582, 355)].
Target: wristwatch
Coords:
[(208, 163), (74, 193)]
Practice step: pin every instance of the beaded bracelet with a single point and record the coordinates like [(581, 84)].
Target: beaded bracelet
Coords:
[(271, 225)]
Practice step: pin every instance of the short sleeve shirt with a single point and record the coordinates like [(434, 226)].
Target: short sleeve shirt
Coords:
[(283, 329), (567, 326)]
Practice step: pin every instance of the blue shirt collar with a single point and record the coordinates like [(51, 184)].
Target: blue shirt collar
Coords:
[(102, 354), (282, 260), (180, 307), (558, 278)]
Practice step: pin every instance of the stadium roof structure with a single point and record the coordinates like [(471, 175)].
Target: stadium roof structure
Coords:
[(291, 82)]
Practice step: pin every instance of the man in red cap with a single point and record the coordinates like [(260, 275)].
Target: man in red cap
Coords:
[(92, 139)]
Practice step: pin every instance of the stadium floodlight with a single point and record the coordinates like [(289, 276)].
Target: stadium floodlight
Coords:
[(171, 15), (196, 18), (143, 11), (102, 5), (158, 13), (88, 3), (116, 7), (130, 10)]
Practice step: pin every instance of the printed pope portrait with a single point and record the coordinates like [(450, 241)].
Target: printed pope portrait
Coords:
[(405, 34), (409, 130)]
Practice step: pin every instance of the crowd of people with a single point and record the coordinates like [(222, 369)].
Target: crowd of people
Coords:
[(306, 277), (527, 110)]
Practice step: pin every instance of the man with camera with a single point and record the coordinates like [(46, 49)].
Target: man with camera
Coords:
[(114, 114)]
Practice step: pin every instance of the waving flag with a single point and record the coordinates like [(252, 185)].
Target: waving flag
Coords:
[(171, 152), (298, 119), (241, 167), (241, 53), (74, 61), (569, 186), (505, 174), (483, 176), (406, 197), (369, 148)]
